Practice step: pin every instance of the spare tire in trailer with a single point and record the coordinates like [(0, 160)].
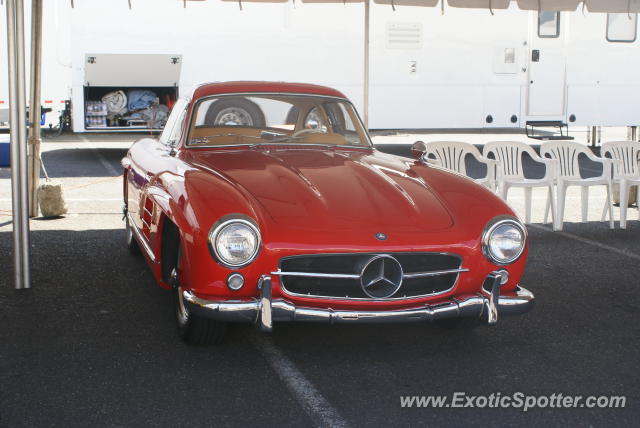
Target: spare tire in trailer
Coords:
[(235, 111)]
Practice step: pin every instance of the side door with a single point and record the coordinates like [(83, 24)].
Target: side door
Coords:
[(547, 67), (146, 163)]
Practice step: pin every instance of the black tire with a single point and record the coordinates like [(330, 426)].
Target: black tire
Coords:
[(292, 116), (466, 323), (239, 110), (194, 330), (132, 244)]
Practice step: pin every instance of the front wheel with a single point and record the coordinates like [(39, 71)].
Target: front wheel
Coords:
[(193, 329), (132, 244)]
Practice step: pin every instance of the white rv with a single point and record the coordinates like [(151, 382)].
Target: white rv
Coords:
[(464, 68)]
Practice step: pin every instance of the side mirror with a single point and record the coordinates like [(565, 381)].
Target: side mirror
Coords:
[(418, 149), (172, 147)]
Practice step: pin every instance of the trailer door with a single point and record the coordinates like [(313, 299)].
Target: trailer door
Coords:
[(547, 66)]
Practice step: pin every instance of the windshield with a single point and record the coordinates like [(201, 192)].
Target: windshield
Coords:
[(275, 119)]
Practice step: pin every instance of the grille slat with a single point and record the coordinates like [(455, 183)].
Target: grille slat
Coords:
[(338, 275)]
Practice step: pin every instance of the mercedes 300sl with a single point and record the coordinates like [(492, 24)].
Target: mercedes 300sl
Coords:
[(267, 202)]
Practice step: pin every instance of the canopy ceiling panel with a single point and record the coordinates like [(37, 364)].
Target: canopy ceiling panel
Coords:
[(480, 4), (554, 5), (254, 1), (423, 3), (613, 6), (332, 1)]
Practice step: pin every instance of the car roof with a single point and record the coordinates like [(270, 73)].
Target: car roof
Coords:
[(219, 88)]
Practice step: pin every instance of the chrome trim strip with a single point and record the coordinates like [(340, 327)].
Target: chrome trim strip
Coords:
[(141, 240), (433, 273), (473, 305), (357, 276), (317, 275)]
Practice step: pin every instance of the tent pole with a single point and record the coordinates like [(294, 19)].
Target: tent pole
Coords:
[(34, 106), (18, 118), (366, 64)]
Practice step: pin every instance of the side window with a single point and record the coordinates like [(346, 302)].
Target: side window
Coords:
[(176, 132), (622, 27), (548, 24), (342, 122), (174, 122)]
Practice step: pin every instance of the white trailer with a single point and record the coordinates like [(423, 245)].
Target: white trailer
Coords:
[(464, 68), (56, 56)]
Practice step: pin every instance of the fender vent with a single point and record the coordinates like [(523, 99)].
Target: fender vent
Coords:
[(147, 216)]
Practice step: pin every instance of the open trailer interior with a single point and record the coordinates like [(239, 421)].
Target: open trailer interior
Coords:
[(126, 92)]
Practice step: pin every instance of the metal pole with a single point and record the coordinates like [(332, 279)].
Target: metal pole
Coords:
[(17, 109), (366, 64), (34, 106)]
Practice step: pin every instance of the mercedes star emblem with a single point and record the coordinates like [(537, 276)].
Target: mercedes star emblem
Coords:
[(381, 277), (381, 236)]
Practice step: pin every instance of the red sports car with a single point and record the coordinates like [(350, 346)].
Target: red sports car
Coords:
[(265, 202)]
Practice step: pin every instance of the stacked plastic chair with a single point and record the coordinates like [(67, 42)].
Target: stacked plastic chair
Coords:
[(567, 153), (451, 155), (511, 174), (626, 171)]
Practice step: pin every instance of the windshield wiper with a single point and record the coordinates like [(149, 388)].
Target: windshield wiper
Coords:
[(206, 140), (284, 139)]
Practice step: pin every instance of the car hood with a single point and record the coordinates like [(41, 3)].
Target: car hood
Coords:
[(331, 189)]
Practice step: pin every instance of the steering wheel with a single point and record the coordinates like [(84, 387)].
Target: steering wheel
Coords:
[(307, 131)]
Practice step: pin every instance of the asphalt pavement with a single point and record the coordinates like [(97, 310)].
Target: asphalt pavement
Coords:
[(93, 342)]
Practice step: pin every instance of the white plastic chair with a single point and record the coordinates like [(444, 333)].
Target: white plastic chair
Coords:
[(626, 171), (451, 155), (510, 172), (567, 154)]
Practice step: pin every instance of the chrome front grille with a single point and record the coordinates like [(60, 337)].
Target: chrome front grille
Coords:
[(354, 276)]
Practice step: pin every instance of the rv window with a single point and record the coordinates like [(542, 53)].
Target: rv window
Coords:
[(622, 27), (548, 24)]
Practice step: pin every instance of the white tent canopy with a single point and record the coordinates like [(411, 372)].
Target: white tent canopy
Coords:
[(552, 5), (613, 6), (17, 94)]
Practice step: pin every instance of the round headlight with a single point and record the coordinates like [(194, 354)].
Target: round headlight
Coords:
[(504, 240), (235, 242)]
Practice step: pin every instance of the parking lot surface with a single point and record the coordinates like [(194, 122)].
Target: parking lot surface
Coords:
[(93, 342)]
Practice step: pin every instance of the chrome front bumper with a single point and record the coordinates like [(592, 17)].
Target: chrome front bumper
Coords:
[(485, 305)]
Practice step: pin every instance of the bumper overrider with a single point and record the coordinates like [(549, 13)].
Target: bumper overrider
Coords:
[(486, 305)]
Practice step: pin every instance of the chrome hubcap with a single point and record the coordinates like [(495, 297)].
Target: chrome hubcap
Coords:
[(234, 116), (181, 310)]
